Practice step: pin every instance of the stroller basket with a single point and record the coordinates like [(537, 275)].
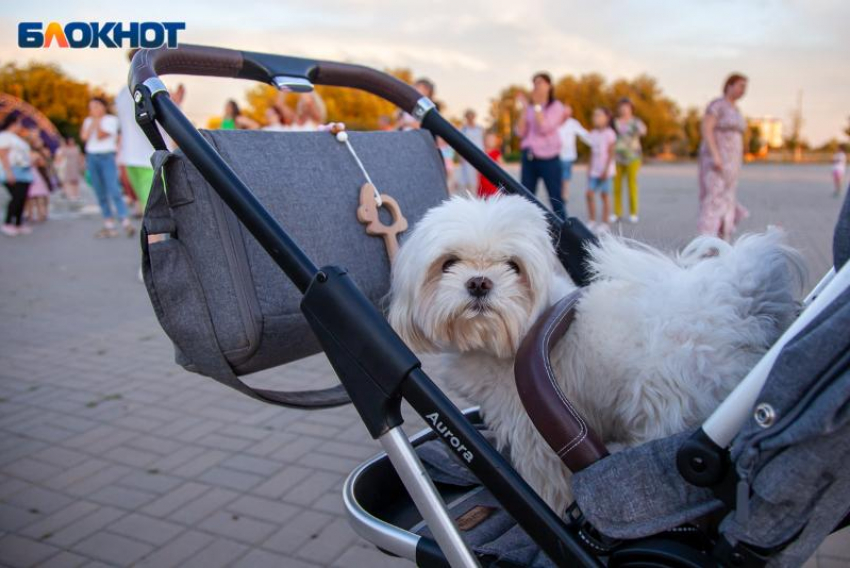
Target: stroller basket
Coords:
[(381, 511), (392, 500)]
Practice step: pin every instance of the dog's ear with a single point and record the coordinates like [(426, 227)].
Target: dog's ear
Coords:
[(401, 319), (404, 294)]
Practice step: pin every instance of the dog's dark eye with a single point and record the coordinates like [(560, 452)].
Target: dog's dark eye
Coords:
[(514, 266), (447, 265)]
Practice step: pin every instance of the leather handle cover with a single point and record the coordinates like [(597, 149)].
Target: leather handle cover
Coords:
[(367, 79), (554, 416), (187, 60)]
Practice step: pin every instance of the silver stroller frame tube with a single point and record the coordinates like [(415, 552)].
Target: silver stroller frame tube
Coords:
[(728, 419), (428, 501)]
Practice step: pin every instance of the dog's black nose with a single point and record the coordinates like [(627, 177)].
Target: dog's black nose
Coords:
[(479, 286)]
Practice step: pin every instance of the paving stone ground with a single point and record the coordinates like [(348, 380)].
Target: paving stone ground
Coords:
[(111, 455)]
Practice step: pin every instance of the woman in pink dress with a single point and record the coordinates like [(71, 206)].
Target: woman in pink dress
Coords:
[(720, 157)]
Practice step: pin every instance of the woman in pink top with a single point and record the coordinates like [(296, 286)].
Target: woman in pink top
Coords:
[(537, 126)]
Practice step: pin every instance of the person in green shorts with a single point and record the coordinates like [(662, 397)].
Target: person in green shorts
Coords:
[(233, 118), (134, 149), (141, 178), (628, 155)]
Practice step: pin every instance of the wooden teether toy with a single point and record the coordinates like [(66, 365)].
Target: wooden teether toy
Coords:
[(367, 213), (371, 200)]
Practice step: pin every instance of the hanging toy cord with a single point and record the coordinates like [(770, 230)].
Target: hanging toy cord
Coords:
[(371, 200), (338, 129)]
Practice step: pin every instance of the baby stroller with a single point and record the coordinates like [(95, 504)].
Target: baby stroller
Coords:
[(761, 482)]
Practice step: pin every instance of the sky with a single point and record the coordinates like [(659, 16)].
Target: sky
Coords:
[(472, 49)]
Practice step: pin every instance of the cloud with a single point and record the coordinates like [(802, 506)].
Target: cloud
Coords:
[(474, 48)]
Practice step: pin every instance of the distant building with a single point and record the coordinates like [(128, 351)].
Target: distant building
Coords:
[(770, 131)]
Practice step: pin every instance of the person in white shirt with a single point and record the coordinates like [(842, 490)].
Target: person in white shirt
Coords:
[(568, 131), (468, 176), (310, 113), (16, 162), (100, 135), (839, 168), (135, 150)]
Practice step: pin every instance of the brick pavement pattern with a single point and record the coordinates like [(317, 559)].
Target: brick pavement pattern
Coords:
[(111, 455)]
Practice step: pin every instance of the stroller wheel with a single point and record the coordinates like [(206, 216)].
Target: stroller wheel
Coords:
[(659, 553)]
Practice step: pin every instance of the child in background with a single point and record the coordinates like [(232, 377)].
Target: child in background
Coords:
[(448, 154), (601, 169), (839, 167), (491, 146), (70, 165), (568, 132), (39, 190), (127, 188)]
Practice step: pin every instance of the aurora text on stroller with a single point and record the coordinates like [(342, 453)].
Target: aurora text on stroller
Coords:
[(76, 35), (454, 441)]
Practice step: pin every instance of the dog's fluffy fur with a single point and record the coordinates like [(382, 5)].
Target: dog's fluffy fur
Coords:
[(658, 341)]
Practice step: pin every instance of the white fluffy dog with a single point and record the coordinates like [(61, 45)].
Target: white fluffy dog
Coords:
[(657, 342)]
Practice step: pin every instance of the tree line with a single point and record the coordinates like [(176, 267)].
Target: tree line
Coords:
[(671, 131), (48, 88)]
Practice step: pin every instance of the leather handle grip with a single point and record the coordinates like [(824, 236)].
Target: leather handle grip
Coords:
[(558, 421), (367, 79), (185, 60)]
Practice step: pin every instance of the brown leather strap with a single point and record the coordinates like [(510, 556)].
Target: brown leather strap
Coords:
[(554, 416)]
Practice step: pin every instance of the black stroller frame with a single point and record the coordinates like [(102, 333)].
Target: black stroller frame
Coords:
[(373, 364)]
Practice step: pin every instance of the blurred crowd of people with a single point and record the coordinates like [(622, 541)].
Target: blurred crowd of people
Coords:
[(31, 173), (115, 158), (114, 161), (308, 115), (549, 132)]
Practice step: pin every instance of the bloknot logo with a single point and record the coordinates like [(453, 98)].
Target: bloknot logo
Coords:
[(78, 35)]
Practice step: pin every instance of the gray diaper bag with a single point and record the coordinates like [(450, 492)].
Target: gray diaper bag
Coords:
[(226, 306)]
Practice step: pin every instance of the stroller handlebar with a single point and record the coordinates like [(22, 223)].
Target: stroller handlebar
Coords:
[(208, 61)]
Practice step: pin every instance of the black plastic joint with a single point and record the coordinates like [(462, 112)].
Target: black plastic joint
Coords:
[(701, 462), (571, 245), (146, 115), (368, 356)]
